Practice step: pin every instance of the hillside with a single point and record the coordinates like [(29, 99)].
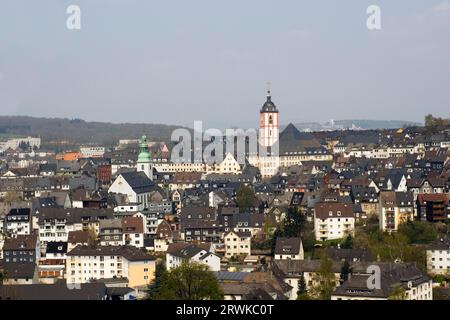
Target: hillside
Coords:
[(77, 131)]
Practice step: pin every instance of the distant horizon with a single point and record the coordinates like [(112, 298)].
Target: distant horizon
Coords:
[(283, 124)]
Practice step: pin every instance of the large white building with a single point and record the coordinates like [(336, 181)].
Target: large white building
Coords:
[(333, 221), (84, 264), (135, 185), (92, 152), (15, 143), (192, 253), (438, 257)]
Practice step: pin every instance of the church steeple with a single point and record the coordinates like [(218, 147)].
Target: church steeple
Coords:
[(144, 162), (144, 155), (269, 125), (269, 106)]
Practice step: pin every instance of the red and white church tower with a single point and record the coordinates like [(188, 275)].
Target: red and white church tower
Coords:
[(270, 124), (269, 158)]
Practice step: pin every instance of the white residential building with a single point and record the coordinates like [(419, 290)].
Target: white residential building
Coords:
[(192, 253), (85, 264), (333, 221), (237, 243), (438, 258)]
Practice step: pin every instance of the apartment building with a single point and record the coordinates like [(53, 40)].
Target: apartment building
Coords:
[(395, 208), (333, 220), (438, 257), (237, 243), (85, 264)]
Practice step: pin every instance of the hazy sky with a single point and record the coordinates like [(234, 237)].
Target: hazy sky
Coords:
[(178, 61)]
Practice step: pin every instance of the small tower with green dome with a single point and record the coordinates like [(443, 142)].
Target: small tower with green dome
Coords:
[(144, 162)]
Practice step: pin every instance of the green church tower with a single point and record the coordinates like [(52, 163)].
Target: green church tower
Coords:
[(144, 162)]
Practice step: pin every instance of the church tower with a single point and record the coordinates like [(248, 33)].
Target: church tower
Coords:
[(269, 126), (144, 162), (269, 160)]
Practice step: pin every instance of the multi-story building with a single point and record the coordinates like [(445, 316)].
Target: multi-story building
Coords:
[(395, 208), (333, 220), (438, 257), (92, 152), (433, 207), (56, 223), (53, 264), (412, 282), (22, 248), (237, 243), (85, 264), (111, 232), (18, 221)]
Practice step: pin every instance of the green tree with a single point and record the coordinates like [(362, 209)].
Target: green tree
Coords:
[(294, 223), (399, 293), (418, 231), (245, 197), (324, 281), (154, 288), (190, 281), (302, 293), (434, 124), (345, 271), (347, 243)]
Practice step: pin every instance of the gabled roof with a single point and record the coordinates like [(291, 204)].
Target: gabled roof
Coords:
[(288, 246), (21, 242), (334, 210), (78, 237), (392, 275), (188, 252), (138, 181), (20, 270), (128, 252)]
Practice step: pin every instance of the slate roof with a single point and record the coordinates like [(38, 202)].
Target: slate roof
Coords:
[(350, 254), (138, 181), (269, 106), (343, 210), (19, 212), (59, 291), (21, 242), (19, 270), (56, 247), (48, 167), (78, 237), (128, 252), (74, 215), (288, 245), (392, 275), (187, 252)]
